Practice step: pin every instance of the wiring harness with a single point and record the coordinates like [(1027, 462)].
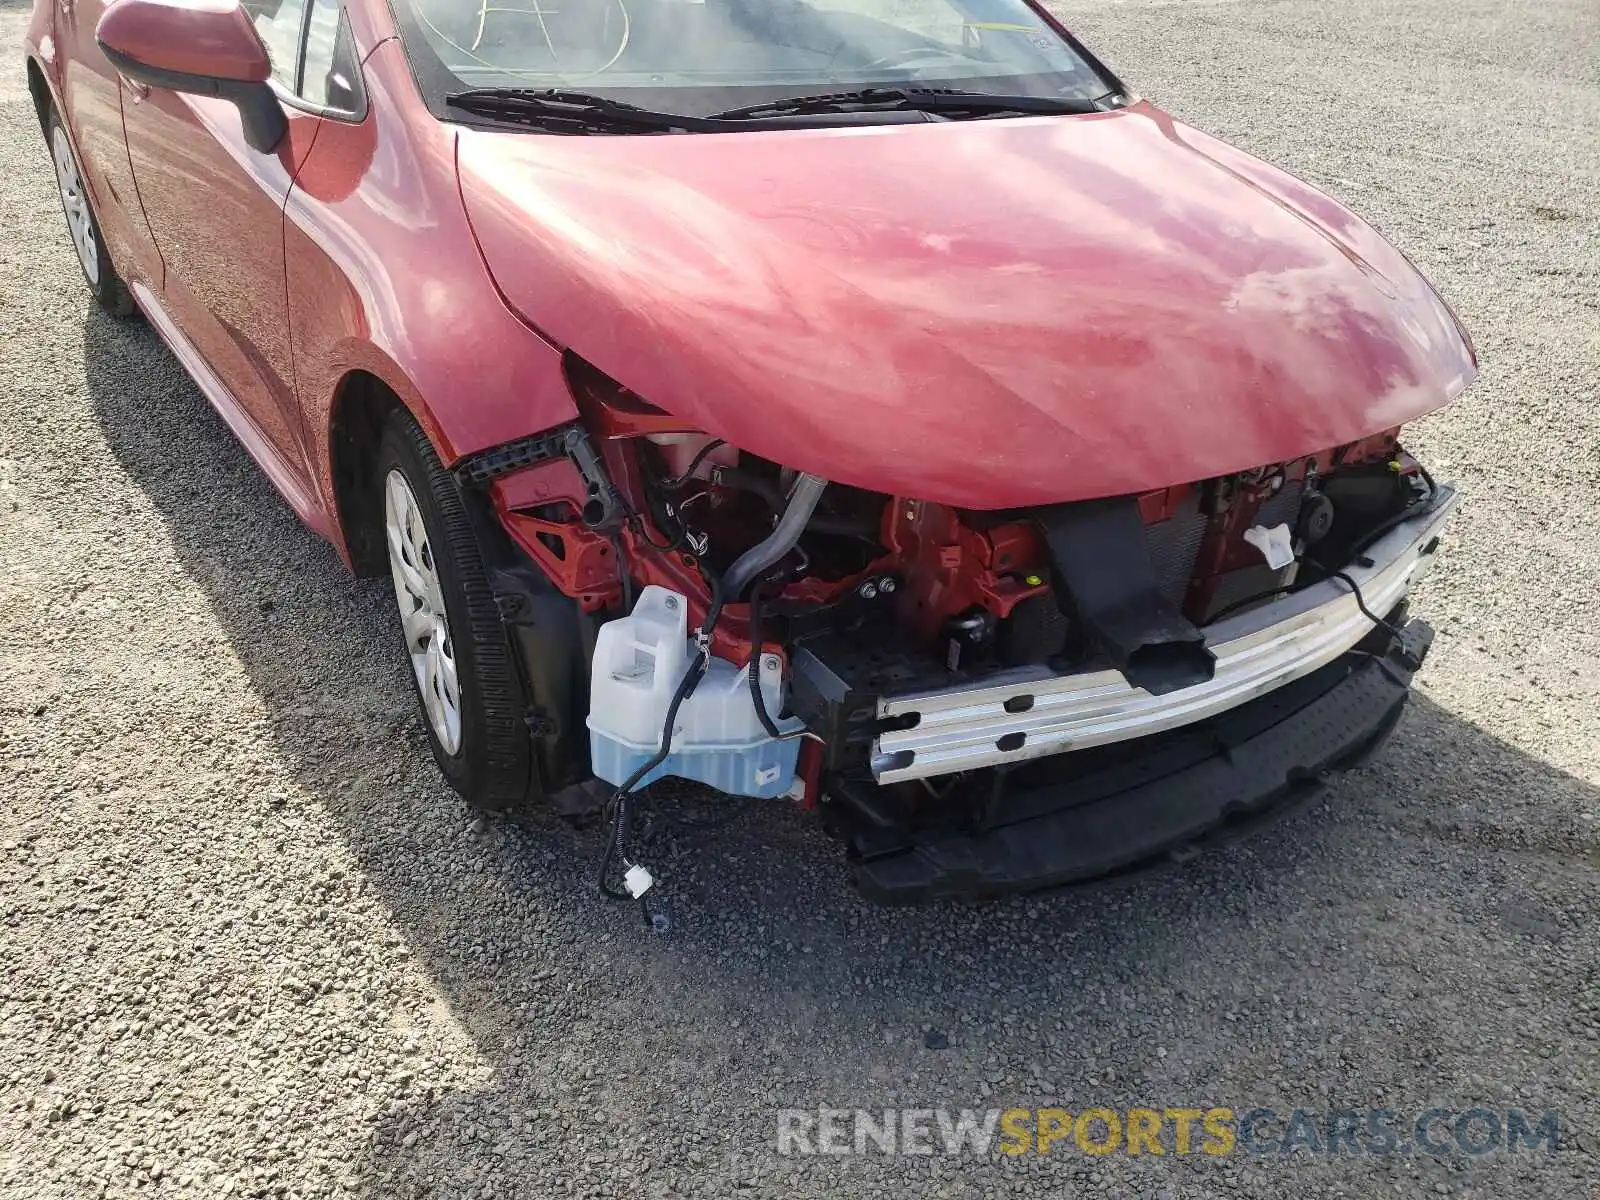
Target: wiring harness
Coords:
[(636, 879)]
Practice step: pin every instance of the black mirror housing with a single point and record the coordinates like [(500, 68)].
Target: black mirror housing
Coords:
[(265, 124)]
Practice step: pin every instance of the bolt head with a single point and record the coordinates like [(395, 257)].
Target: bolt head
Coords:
[(868, 591), (886, 586)]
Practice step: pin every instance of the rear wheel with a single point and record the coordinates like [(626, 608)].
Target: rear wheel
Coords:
[(472, 700), (109, 291)]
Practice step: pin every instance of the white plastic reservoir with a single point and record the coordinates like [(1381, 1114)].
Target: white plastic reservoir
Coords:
[(639, 661)]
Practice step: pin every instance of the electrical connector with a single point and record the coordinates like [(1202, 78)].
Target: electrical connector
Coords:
[(1276, 543), (638, 880)]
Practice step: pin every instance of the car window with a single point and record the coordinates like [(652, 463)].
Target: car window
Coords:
[(278, 22), (331, 77)]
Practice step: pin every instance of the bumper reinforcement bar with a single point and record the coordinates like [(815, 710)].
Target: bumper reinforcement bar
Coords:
[(1032, 713)]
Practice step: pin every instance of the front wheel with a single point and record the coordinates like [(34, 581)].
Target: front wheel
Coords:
[(472, 700), (110, 293)]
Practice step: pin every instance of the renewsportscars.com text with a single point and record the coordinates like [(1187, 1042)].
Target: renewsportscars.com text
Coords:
[(1217, 1131)]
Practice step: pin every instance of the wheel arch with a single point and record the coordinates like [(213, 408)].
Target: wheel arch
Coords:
[(41, 54), (360, 404), (361, 407), (347, 402), (39, 88)]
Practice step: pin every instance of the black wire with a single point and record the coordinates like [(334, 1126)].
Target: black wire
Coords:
[(1229, 609), (1410, 512), (677, 481), (643, 535), (1361, 603), (621, 802), (616, 844), (755, 665), (1355, 589), (623, 575), (1433, 488), (636, 522), (672, 484)]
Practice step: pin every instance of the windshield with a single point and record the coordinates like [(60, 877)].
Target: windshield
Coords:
[(704, 56)]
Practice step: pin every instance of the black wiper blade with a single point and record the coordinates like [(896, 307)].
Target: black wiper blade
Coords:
[(569, 111), (941, 101)]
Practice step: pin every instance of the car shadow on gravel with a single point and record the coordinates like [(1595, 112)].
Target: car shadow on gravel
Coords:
[(667, 1057)]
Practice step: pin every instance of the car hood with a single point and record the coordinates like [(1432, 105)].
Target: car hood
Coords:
[(983, 313)]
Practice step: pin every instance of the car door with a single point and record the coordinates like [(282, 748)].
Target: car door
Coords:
[(214, 208)]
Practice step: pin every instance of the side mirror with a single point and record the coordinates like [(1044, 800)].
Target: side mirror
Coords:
[(202, 47)]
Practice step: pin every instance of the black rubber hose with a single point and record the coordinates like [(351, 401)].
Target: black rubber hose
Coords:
[(768, 490), (785, 535)]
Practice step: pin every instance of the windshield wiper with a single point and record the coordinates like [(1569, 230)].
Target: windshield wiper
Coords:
[(944, 102), (586, 112), (571, 112)]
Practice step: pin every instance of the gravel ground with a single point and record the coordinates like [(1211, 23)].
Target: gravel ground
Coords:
[(252, 946)]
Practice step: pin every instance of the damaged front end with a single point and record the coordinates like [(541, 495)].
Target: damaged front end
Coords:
[(977, 702)]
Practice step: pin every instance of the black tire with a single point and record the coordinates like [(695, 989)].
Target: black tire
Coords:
[(106, 286), (493, 766)]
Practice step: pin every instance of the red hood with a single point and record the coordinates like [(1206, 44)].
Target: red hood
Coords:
[(984, 313)]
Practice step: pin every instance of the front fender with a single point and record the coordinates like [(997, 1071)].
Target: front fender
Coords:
[(384, 278), (40, 56)]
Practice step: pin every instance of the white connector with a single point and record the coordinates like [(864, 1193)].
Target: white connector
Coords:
[(1276, 543), (637, 880)]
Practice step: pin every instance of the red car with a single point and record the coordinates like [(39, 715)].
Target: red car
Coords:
[(871, 403)]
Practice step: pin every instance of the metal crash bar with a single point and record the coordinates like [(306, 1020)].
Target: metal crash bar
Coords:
[(1031, 713)]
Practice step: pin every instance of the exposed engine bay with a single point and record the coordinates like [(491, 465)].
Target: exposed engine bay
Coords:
[(769, 633)]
